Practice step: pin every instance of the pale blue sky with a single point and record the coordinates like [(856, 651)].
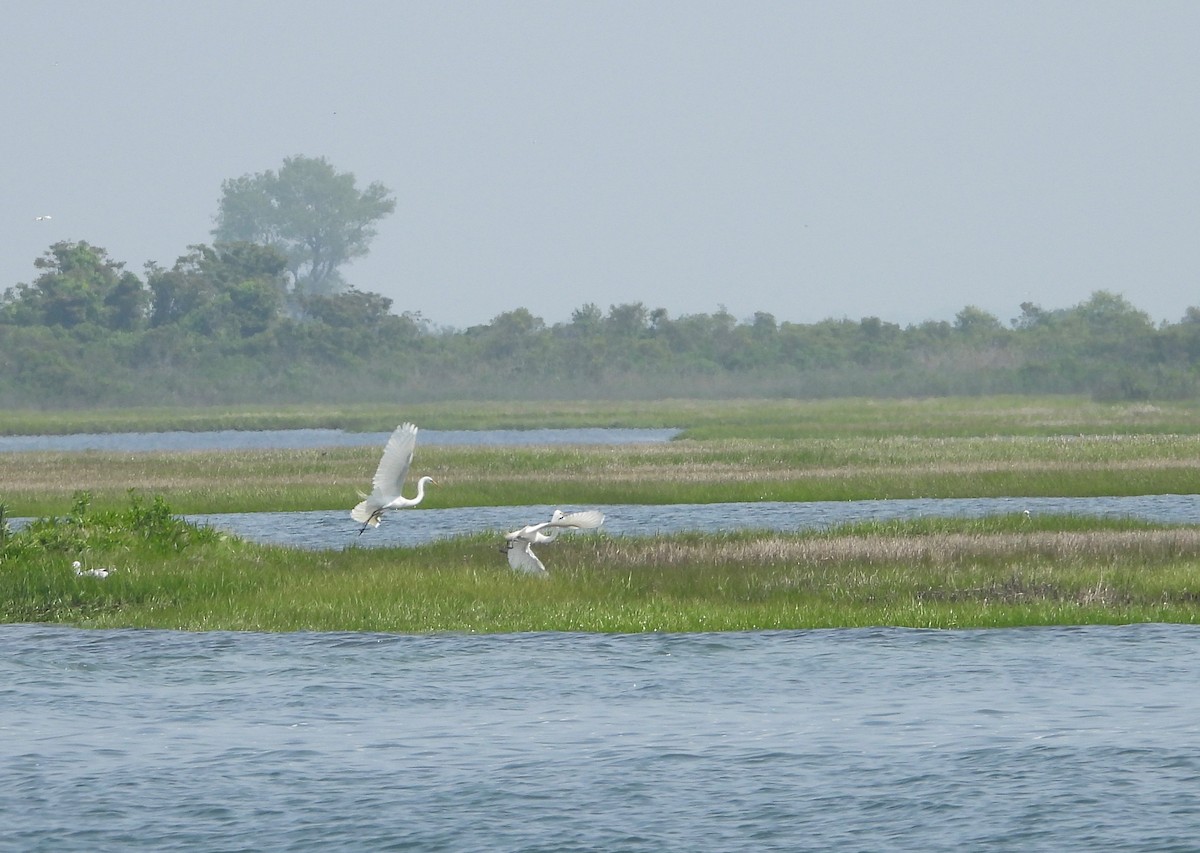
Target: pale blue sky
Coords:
[(811, 160)]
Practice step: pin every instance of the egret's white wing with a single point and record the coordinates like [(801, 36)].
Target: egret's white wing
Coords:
[(537, 534), (588, 519), (522, 558), (525, 532), (394, 465), (547, 531)]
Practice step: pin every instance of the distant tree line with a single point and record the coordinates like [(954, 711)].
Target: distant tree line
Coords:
[(264, 315), (227, 324)]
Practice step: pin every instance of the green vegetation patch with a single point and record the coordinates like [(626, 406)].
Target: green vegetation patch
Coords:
[(747, 418), (686, 471), (934, 573)]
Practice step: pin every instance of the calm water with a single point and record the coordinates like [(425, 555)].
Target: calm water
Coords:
[(300, 439), (333, 529), (1044, 739)]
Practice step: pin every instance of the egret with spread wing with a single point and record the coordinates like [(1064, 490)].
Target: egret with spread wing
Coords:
[(389, 480), (519, 544)]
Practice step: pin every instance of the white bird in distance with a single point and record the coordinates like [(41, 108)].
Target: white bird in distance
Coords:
[(90, 573), (44, 216), (519, 544), (389, 480)]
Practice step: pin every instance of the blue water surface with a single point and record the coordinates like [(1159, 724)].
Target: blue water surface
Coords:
[(334, 529), (302, 439), (1041, 739)]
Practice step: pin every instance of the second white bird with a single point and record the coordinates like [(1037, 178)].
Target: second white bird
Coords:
[(519, 544)]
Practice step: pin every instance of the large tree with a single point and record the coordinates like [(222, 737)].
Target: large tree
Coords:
[(316, 217)]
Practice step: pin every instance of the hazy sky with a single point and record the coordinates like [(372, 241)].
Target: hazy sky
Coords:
[(812, 160)]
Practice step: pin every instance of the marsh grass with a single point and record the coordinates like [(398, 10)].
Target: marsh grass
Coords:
[(739, 450), (935, 573), (687, 471), (928, 573), (701, 418), (946, 417)]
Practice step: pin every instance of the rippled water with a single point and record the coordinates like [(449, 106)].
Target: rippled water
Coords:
[(333, 529), (300, 439), (886, 739), (1042, 739)]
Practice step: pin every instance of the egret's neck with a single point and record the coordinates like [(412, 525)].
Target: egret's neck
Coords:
[(421, 490)]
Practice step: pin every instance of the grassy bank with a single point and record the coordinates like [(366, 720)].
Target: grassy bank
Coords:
[(687, 471), (701, 419), (932, 573), (733, 450), (96, 508)]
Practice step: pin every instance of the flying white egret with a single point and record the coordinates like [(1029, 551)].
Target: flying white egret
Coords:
[(42, 217), (519, 543), (389, 480), (90, 573)]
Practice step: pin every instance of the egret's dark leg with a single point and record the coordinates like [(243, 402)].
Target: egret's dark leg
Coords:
[(377, 514)]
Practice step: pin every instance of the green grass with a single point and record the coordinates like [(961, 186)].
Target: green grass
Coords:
[(929, 573), (701, 419), (934, 573), (688, 471), (739, 450)]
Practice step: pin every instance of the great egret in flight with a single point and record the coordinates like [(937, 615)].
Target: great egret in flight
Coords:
[(42, 217), (519, 543), (90, 573), (389, 480)]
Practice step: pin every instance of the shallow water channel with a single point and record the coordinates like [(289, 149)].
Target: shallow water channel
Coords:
[(302, 439), (334, 529)]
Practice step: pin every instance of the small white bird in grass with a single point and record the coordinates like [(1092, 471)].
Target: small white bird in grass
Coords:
[(90, 573), (519, 544), (389, 480)]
